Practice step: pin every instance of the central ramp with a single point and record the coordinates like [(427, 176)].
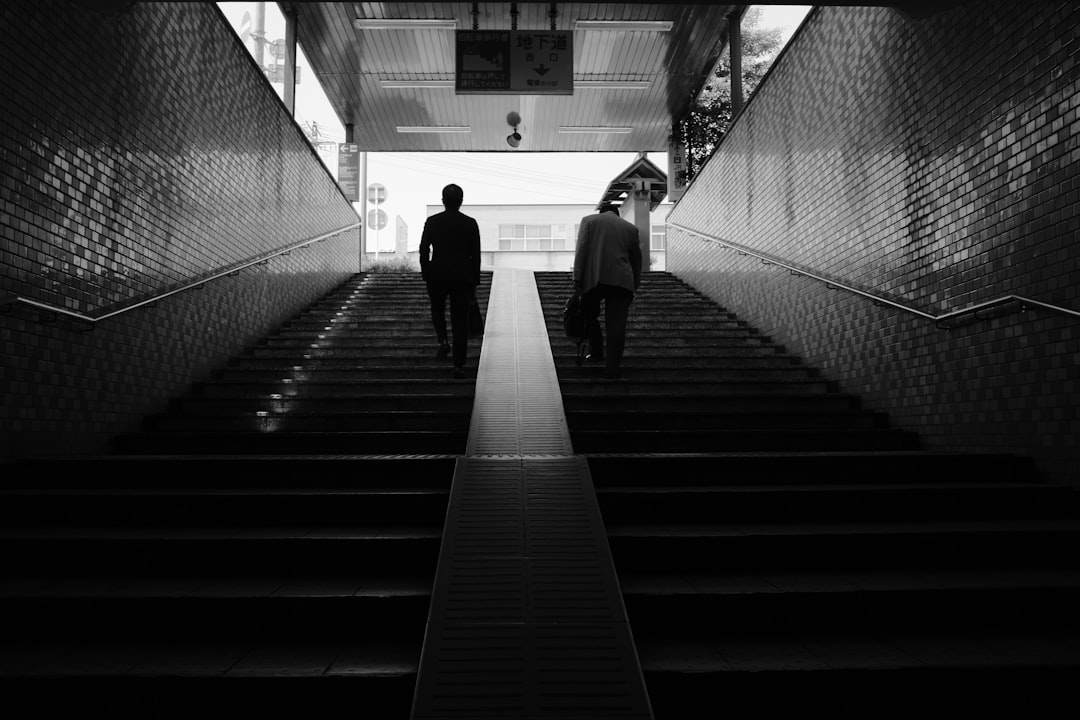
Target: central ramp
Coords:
[(527, 618)]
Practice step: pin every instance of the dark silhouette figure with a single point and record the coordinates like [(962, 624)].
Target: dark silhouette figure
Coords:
[(607, 269), (450, 265)]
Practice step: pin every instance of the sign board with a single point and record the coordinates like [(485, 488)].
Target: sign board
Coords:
[(515, 62), (376, 193), (377, 219), (676, 172), (349, 170)]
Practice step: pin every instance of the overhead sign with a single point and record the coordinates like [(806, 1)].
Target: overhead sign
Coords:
[(349, 170), (515, 62)]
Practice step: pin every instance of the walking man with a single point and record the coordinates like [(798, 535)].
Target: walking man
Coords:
[(450, 265), (607, 269)]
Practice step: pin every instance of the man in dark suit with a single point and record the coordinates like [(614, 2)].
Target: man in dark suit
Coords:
[(607, 269), (450, 265)]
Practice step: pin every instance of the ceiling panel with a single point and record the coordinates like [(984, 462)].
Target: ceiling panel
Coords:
[(352, 63)]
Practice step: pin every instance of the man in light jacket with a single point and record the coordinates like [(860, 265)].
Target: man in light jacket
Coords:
[(607, 269)]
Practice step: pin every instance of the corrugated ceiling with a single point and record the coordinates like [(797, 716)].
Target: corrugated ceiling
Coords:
[(352, 65)]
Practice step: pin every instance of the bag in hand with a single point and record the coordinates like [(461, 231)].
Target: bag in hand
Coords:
[(573, 320)]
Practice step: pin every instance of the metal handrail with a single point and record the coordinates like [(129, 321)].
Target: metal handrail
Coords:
[(877, 299), (19, 300)]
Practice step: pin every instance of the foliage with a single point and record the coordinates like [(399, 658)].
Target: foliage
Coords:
[(395, 264), (711, 114)]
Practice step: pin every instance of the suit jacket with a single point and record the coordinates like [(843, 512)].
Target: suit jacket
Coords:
[(608, 253), (450, 250)]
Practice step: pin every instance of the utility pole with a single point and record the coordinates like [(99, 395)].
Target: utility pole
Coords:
[(258, 33)]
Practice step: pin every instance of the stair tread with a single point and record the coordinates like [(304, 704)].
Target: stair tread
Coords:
[(304, 413), (213, 656), (843, 528), (853, 486), (184, 533), (214, 586), (879, 650), (832, 581), (255, 492)]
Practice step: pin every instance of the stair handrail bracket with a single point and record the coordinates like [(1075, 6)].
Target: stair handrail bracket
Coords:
[(945, 321), (10, 300)]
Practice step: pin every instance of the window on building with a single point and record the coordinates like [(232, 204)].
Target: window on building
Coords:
[(658, 238), (532, 237)]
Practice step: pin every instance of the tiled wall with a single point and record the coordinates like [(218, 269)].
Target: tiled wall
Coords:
[(139, 151), (931, 161)]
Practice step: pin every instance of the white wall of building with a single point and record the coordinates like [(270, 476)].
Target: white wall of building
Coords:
[(534, 237)]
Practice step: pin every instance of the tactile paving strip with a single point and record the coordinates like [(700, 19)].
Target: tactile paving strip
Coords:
[(518, 407), (527, 619)]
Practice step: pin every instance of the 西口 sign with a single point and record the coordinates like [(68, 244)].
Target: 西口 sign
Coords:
[(517, 62)]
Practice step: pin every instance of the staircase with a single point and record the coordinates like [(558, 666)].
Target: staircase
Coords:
[(783, 550), (266, 547)]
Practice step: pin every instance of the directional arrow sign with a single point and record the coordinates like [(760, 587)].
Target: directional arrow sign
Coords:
[(518, 62), (542, 63)]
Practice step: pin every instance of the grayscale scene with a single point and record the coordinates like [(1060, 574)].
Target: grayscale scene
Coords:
[(539, 361)]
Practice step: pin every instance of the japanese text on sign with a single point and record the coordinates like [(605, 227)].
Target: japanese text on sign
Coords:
[(515, 62)]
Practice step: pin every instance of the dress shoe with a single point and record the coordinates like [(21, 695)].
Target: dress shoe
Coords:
[(444, 351), (459, 373)]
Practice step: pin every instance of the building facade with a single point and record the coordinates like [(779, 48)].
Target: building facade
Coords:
[(542, 237)]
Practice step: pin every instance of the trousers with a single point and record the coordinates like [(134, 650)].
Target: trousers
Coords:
[(459, 317), (616, 301)]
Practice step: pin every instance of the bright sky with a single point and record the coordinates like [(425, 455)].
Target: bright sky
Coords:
[(415, 180)]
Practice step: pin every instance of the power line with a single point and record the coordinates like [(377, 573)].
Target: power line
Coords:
[(531, 180), (546, 189)]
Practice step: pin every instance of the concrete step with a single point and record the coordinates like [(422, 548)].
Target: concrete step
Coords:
[(903, 673), (416, 322), (212, 507), (776, 468), (585, 383), (814, 546), (374, 442), (174, 550), (421, 344), (673, 403), (343, 421), (842, 500), (870, 600), (700, 330), (279, 605), (399, 372), (190, 472), (174, 678), (670, 317), (355, 350), (735, 440), (704, 419), (328, 404), (687, 361), (387, 331), (659, 371), (677, 350), (288, 385), (339, 359)]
